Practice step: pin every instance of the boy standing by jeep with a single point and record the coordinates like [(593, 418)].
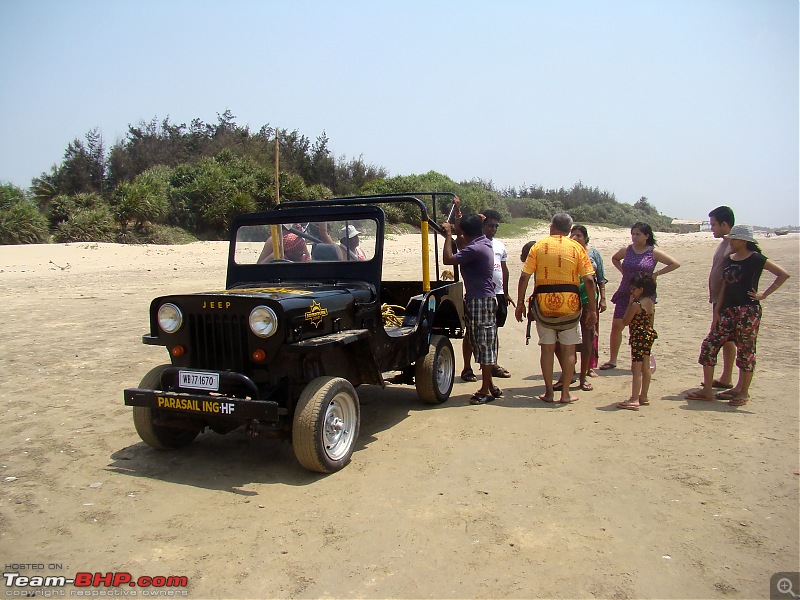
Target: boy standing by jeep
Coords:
[(476, 260), (491, 221)]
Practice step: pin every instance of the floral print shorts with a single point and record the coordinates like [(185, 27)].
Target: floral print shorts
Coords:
[(737, 324)]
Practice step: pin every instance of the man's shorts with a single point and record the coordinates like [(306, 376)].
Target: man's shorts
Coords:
[(480, 315), (567, 337), (502, 310)]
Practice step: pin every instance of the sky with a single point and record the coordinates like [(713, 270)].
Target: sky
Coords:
[(690, 103)]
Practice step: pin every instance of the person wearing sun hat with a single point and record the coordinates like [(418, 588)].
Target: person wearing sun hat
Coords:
[(349, 244), (737, 315)]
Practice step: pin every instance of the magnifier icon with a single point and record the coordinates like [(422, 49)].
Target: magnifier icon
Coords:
[(784, 586)]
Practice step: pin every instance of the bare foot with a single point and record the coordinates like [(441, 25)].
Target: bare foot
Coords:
[(568, 398), (546, 398)]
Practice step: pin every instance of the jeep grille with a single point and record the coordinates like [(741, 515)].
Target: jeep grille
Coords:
[(219, 342)]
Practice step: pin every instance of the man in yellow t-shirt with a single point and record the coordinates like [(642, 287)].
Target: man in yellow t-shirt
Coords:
[(558, 262)]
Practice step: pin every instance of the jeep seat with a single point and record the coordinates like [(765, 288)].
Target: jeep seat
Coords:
[(325, 252)]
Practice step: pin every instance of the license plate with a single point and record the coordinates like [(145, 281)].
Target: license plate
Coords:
[(197, 380)]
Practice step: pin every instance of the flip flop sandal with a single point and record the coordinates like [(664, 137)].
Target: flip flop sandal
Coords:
[(698, 396), (496, 392), (628, 405), (726, 395), (737, 402), (558, 385), (468, 375), (478, 398), (607, 367), (586, 386), (718, 385), (499, 371)]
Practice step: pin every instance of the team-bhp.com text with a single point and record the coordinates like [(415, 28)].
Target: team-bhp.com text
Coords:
[(91, 584)]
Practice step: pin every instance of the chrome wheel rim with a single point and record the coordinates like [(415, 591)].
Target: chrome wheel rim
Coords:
[(339, 426), (444, 370)]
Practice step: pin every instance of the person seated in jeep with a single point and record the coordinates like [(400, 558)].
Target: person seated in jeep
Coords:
[(294, 246), (349, 244), (295, 242)]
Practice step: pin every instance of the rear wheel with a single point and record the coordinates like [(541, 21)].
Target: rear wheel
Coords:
[(434, 374), (325, 425), (159, 436)]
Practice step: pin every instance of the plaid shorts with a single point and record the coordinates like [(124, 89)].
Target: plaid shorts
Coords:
[(481, 316)]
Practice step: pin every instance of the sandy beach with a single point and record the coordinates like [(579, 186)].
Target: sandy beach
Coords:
[(517, 499)]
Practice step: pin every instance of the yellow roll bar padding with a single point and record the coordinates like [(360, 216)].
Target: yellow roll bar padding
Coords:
[(426, 269), (276, 241)]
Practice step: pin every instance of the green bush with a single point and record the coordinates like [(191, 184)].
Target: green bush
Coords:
[(164, 234), (317, 192), (532, 208), (146, 200), (429, 182), (61, 208), (219, 214), (156, 234), (10, 195), (87, 225), (22, 223)]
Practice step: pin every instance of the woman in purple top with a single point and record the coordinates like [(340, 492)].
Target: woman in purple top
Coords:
[(639, 258)]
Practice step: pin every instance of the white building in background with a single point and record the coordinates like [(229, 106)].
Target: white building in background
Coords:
[(688, 226)]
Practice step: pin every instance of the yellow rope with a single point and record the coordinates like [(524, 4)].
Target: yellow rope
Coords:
[(389, 318)]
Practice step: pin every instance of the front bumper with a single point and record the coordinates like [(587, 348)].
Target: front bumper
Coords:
[(214, 407)]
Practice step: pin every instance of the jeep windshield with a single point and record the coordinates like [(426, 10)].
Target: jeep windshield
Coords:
[(306, 242)]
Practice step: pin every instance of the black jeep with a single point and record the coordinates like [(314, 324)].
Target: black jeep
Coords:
[(306, 316)]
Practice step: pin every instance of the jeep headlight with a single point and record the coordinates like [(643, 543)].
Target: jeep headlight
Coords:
[(170, 317), (263, 321)]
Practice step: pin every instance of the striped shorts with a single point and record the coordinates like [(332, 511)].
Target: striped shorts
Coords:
[(481, 316)]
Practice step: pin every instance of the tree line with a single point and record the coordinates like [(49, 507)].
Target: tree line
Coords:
[(172, 183)]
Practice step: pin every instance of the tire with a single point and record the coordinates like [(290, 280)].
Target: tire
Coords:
[(160, 438), (435, 372), (325, 424)]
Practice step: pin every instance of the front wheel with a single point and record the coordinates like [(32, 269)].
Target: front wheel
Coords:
[(325, 424), (435, 372), (159, 436)]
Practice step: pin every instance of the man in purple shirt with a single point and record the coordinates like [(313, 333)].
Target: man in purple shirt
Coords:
[(476, 262)]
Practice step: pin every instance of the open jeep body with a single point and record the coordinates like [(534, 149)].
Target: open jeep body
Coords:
[(281, 350)]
